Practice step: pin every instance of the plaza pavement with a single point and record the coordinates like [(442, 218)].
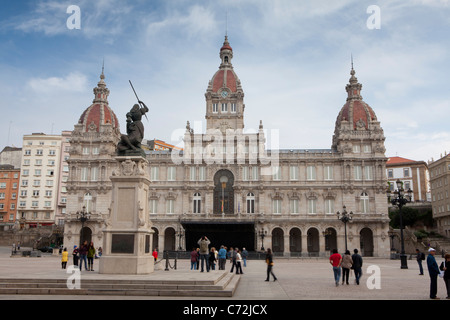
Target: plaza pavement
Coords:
[(298, 279)]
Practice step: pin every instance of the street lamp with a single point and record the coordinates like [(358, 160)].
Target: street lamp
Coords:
[(262, 233), (345, 217), (83, 216), (399, 198)]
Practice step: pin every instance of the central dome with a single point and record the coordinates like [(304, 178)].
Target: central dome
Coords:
[(99, 113), (355, 110)]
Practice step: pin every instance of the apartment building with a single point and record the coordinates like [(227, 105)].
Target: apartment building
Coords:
[(440, 193), (9, 188), (39, 179)]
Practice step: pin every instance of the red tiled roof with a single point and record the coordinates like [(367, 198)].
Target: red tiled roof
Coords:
[(394, 160)]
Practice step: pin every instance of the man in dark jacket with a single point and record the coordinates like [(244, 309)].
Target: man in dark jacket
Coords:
[(357, 265), (433, 270)]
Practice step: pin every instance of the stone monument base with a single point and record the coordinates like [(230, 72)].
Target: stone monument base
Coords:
[(124, 264), (127, 237)]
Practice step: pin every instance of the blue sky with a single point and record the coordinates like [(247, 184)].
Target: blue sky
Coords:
[(292, 57)]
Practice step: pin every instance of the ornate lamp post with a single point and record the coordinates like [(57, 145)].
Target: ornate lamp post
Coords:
[(83, 216), (262, 233), (345, 217), (399, 198)]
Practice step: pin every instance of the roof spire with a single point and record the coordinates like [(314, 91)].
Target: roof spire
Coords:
[(354, 87)]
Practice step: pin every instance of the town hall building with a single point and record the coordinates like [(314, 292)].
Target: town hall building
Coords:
[(228, 185)]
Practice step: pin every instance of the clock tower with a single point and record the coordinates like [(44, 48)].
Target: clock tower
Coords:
[(224, 96)]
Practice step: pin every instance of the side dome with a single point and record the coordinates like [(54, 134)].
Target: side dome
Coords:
[(225, 77), (99, 113)]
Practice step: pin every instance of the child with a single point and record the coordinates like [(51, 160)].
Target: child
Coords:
[(65, 258)]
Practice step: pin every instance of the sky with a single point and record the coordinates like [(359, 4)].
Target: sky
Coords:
[(293, 59)]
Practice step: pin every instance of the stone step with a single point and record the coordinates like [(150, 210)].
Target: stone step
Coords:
[(224, 286)]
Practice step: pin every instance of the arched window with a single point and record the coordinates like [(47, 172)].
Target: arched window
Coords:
[(250, 203), (364, 203), (197, 203)]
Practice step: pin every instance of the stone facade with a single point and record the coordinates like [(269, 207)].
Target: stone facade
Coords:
[(228, 185)]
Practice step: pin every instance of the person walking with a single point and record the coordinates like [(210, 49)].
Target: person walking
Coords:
[(222, 255), (244, 255), (433, 270), (204, 252), (269, 261), (64, 258), (420, 256), (445, 266), (212, 259), (335, 261), (347, 263), (239, 262), (75, 255), (155, 254), (83, 252), (357, 265), (90, 256), (233, 258), (194, 259)]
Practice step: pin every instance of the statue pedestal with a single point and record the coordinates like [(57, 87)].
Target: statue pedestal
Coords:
[(127, 240)]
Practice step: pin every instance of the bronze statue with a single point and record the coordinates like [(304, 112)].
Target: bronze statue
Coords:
[(130, 143)]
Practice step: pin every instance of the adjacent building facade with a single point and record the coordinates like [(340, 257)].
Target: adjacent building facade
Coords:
[(9, 190), (413, 174), (39, 179), (440, 193), (228, 185)]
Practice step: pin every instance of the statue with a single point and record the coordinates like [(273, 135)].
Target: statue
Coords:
[(130, 143)]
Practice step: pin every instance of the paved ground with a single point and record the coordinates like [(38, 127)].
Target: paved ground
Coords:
[(298, 279)]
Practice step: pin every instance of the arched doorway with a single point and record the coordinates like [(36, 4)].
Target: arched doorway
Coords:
[(223, 192), (86, 235), (169, 239), (295, 240), (277, 240), (330, 239), (366, 242), (313, 242)]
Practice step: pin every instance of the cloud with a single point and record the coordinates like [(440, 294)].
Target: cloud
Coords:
[(73, 82)]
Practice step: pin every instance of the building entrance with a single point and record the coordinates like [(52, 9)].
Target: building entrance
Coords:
[(241, 235)]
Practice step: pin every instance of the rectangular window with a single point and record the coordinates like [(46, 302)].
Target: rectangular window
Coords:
[(94, 173), (328, 172), (311, 173), (405, 172), (329, 206), (276, 206), (312, 206), (201, 174), (215, 108), (245, 173), (294, 206), (293, 172), (390, 173), (84, 174), (224, 107), (368, 171), (255, 173), (154, 206), (358, 173), (233, 108), (170, 206), (171, 173), (276, 172), (192, 173), (154, 173)]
